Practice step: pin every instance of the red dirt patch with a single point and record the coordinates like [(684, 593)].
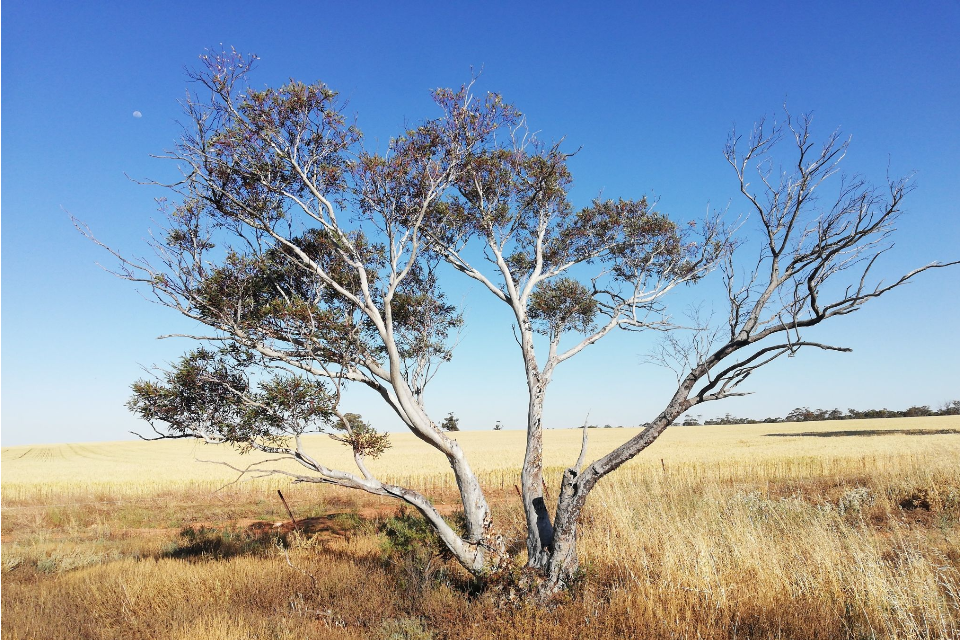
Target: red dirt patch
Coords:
[(323, 525)]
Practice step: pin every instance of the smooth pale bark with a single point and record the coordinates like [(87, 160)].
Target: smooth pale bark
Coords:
[(478, 557), (539, 527), (476, 510)]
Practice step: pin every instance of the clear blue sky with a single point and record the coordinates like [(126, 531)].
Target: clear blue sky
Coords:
[(648, 90)]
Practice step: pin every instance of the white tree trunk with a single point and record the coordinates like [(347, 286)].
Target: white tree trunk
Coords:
[(539, 527)]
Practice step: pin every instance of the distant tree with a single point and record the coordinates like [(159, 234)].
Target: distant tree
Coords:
[(316, 264), (951, 408), (450, 423), (805, 414), (498, 426), (690, 421), (727, 419)]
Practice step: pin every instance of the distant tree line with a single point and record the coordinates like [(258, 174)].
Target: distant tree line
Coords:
[(806, 414)]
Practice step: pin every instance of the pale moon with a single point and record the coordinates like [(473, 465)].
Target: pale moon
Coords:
[(137, 114)]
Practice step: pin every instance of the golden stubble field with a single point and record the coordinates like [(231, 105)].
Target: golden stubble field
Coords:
[(139, 467), (841, 529)]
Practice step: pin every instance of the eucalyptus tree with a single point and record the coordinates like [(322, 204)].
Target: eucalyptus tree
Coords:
[(316, 264)]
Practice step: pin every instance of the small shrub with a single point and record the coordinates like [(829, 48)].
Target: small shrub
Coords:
[(854, 500), (951, 500), (350, 520), (204, 542), (415, 550), (404, 629), (406, 532)]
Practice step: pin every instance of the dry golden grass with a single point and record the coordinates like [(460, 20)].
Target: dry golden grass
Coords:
[(842, 546), (143, 468), (735, 535)]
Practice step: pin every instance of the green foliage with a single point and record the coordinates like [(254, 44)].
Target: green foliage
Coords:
[(423, 319), (450, 423), (200, 394), (412, 545), (360, 436), (300, 249), (210, 395), (349, 519), (406, 533), (273, 300), (562, 304)]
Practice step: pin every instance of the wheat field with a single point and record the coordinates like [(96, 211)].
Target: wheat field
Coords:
[(808, 530), (140, 467)]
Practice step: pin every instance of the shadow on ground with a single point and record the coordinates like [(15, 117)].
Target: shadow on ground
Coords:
[(335, 524), (257, 538), (867, 432)]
